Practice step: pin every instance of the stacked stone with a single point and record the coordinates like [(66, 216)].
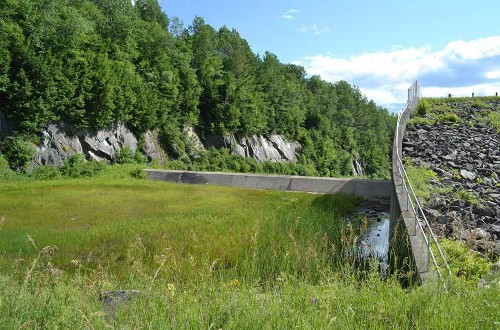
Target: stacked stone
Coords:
[(466, 158)]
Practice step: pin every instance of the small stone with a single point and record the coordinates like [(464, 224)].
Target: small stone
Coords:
[(468, 175), (431, 214), (480, 233), (112, 299)]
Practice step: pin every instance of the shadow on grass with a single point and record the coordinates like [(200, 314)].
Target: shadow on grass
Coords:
[(341, 204)]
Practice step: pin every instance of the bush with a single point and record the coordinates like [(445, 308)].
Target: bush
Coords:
[(468, 196), (124, 156), (422, 108), (76, 167), (139, 158), (17, 151), (46, 173), (478, 104), (464, 262), (138, 173), (5, 171), (449, 117)]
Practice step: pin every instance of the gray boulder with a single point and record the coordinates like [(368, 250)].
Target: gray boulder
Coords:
[(112, 300), (193, 142), (58, 145), (467, 175), (151, 148), (274, 148), (103, 144)]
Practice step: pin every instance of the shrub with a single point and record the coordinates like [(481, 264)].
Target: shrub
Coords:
[(467, 196), (449, 117), (422, 108), (464, 262), (17, 151), (139, 158), (46, 173), (478, 104), (420, 178), (421, 121), (5, 171), (124, 156), (138, 173), (494, 119), (76, 167)]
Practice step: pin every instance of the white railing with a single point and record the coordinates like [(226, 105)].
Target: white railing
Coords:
[(412, 203)]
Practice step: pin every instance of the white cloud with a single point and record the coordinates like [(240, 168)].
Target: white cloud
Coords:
[(492, 74), (290, 14), (314, 29), (460, 68), (478, 90), (302, 29)]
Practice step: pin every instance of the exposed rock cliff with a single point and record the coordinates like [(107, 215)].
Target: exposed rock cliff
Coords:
[(273, 148), (60, 142), (193, 142)]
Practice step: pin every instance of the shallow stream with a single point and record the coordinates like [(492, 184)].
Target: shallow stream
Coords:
[(374, 243)]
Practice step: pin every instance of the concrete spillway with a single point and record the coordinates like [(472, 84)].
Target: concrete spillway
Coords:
[(368, 189)]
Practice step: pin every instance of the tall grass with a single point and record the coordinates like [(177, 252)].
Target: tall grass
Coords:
[(203, 257), (244, 233), (43, 298)]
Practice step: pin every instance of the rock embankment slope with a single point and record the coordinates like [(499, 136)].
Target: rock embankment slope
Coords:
[(459, 144)]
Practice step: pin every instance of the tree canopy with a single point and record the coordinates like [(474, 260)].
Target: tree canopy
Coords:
[(91, 63)]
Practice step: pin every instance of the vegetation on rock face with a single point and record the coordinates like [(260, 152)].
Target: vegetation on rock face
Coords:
[(93, 63)]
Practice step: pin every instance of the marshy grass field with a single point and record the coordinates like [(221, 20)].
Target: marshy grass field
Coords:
[(204, 257)]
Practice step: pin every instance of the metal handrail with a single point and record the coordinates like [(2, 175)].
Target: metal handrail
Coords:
[(414, 95)]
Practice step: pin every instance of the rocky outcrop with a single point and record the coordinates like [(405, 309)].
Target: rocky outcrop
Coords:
[(61, 142), (57, 146), (357, 168), (466, 159), (273, 148), (193, 143), (152, 149), (103, 144)]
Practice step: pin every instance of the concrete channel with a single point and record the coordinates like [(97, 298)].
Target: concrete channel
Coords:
[(368, 189)]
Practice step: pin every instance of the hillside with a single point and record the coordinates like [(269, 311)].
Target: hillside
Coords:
[(92, 64), (453, 152)]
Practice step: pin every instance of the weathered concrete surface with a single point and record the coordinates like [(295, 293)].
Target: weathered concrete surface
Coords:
[(400, 206), (369, 189)]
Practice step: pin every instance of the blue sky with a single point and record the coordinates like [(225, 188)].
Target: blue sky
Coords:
[(380, 46)]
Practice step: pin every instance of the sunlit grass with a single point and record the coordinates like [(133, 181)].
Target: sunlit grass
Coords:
[(204, 257), (97, 219)]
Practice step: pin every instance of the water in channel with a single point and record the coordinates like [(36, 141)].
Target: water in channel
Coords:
[(374, 242)]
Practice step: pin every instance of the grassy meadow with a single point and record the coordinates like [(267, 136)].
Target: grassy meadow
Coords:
[(204, 257)]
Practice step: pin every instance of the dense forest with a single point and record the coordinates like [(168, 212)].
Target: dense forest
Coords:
[(91, 63)]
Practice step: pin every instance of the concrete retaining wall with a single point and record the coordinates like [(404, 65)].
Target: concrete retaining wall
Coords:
[(369, 189), (400, 205)]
